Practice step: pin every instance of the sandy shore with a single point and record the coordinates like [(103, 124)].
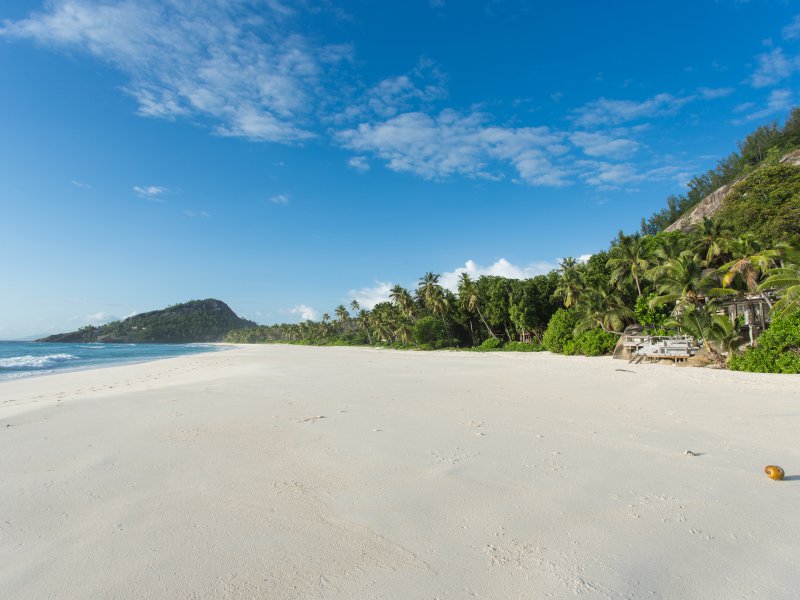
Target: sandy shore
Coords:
[(289, 472)]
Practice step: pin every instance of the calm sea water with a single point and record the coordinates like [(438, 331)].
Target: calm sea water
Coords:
[(23, 359)]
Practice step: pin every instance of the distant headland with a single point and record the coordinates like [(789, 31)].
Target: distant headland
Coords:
[(207, 320)]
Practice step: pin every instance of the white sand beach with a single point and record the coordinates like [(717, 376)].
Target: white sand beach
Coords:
[(295, 472)]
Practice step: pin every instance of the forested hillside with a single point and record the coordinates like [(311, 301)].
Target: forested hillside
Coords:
[(765, 146), (195, 321)]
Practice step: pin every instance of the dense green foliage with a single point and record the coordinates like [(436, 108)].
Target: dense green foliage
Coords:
[(492, 308), (560, 333), (195, 321), (490, 344), (766, 204), (429, 331), (595, 342), (777, 351)]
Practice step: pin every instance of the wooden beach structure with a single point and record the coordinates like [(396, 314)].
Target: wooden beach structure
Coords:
[(678, 348), (753, 311), (750, 312)]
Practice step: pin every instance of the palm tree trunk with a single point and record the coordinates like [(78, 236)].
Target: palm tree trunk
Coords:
[(489, 329)]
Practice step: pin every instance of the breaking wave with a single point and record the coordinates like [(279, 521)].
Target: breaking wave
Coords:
[(35, 362)]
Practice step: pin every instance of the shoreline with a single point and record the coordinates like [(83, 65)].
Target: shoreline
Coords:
[(287, 471), (25, 375)]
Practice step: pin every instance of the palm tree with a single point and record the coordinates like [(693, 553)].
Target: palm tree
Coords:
[(404, 331), (470, 300), (364, 323), (600, 307), (667, 248), (750, 261), (403, 300), (343, 316), (628, 260), (786, 278), (384, 321), (717, 332), (355, 306), (711, 239), (433, 296), (684, 281), (570, 284)]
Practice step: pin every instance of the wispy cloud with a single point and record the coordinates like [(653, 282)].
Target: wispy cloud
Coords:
[(368, 297), (608, 176), (305, 312), (359, 163), (452, 143), (778, 101), (792, 30), (605, 111), (193, 214), (772, 68), (713, 93), (416, 89), (280, 199), (151, 192), (610, 144), (236, 65), (80, 184)]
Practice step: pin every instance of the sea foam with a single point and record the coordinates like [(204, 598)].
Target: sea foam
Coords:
[(35, 362)]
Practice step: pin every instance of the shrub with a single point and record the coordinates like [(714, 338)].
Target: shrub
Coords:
[(558, 336), (491, 343), (596, 342), (429, 331), (521, 347), (777, 349)]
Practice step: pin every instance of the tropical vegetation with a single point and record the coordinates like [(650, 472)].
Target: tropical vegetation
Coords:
[(666, 282)]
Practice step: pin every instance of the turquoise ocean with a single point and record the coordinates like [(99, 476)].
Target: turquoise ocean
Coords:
[(25, 359)]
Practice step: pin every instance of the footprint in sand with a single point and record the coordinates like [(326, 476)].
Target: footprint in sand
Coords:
[(453, 458), (310, 419)]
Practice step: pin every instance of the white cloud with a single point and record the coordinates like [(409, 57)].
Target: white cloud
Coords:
[(359, 163), (236, 65), (280, 199), (501, 267), (100, 318), (792, 30), (452, 143), (773, 67), (605, 111), (604, 144), (306, 312), (196, 214), (151, 192), (612, 176), (418, 88), (368, 297), (80, 184), (713, 93), (778, 101)]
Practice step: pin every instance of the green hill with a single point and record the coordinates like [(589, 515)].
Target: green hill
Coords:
[(194, 321)]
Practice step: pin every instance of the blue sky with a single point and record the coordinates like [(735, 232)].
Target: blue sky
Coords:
[(288, 156)]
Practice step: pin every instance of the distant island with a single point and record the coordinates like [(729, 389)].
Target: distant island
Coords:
[(207, 320)]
